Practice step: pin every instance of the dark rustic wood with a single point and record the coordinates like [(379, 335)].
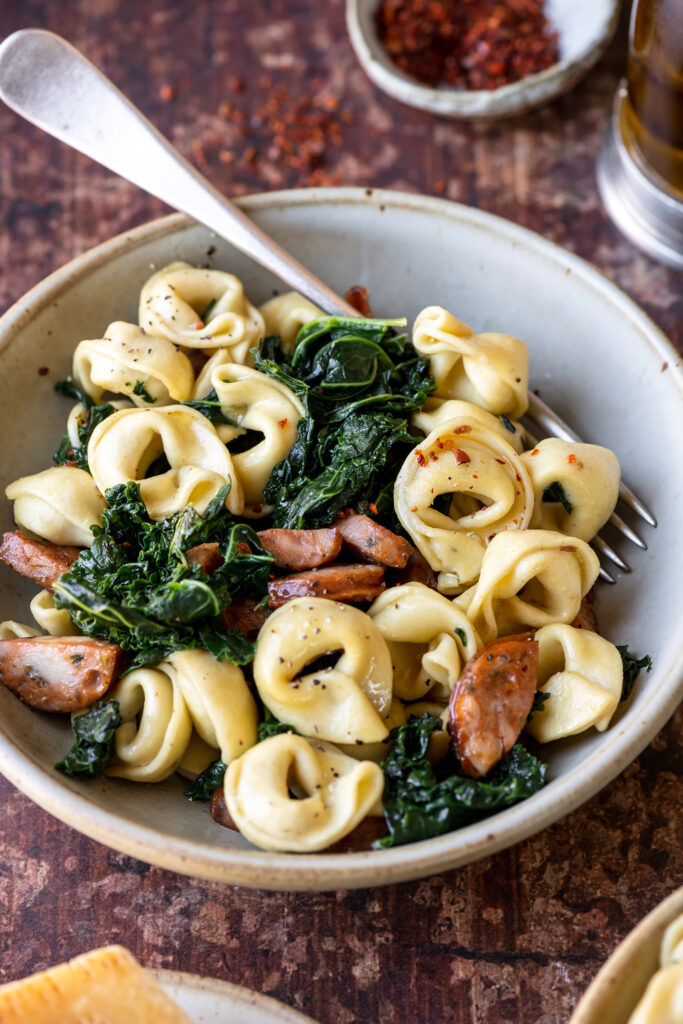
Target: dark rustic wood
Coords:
[(517, 937)]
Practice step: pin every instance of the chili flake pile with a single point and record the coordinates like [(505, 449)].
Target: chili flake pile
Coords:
[(467, 44)]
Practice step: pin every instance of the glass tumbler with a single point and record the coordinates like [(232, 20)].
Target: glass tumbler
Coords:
[(640, 168)]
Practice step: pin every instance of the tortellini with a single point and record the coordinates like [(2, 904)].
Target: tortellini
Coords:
[(662, 1002), (333, 793), (257, 402), (286, 315), (127, 360), (55, 621), (156, 728), (485, 485), (164, 707), (60, 504), (490, 370), (437, 411), (589, 477), (343, 704), (205, 309), (529, 579), (221, 706), (124, 446), (582, 674), (429, 638), (10, 629)]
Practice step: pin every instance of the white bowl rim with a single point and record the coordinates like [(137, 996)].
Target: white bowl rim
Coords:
[(505, 101), (238, 995), (325, 871), (648, 931)]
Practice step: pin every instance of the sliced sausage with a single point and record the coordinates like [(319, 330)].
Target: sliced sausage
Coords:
[(244, 615), (357, 296), (219, 810), (208, 556), (372, 542), (59, 673), (42, 562), (417, 570), (301, 549), (349, 583), (362, 837), (491, 702), (587, 619)]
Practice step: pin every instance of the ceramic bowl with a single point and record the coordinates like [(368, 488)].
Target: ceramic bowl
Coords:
[(618, 987), (595, 357), (211, 1001), (585, 28)]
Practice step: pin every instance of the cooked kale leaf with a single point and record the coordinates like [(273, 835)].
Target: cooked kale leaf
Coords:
[(208, 781), (555, 492), (540, 697), (92, 416), (632, 667), (421, 801), (358, 381), (140, 389), (94, 732), (210, 407), (270, 726), (135, 587)]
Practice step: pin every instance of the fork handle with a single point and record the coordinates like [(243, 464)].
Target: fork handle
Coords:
[(51, 84)]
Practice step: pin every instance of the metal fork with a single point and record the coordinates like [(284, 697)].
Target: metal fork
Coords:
[(47, 81)]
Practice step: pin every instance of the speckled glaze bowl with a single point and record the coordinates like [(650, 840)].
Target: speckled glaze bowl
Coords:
[(585, 28), (595, 357), (617, 989), (211, 1001)]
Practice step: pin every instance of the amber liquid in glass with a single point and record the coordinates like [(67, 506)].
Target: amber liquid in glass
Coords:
[(653, 110)]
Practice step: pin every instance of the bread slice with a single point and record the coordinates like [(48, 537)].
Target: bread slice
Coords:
[(105, 986)]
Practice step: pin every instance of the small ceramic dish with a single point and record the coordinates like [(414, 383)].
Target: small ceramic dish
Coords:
[(585, 29), (617, 989), (210, 1001), (596, 358)]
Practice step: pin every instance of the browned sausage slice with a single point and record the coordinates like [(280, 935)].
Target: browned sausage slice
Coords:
[(219, 810), (417, 570), (587, 619), (36, 559), (208, 556), (245, 615), (491, 702), (301, 549), (349, 583), (59, 673), (357, 296), (372, 542)]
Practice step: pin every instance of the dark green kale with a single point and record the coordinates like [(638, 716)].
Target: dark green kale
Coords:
[(135, 587), (140, 389), (91, 418), (94, 732), (506, 423), (632, 667), (421, 801), (208, 310), (358, 381), (538, 703), (462, 634), (555, 492), (270, 726), (210, 407), (208, 781)]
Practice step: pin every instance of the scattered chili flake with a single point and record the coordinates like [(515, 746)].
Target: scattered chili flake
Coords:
[(282, 424), (357, 296), (571, 459), (534, 452), (373, 508), (463, 430), (461, 457), (44, 370), (467, 44), (421, 461)]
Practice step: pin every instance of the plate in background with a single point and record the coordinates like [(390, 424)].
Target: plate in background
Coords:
[(596, 358), (210, 1001)]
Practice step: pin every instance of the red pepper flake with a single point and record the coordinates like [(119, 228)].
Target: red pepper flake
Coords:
[(534, 452), (571, 459), (463, 430), (257, 509), (461, 457), (501, 461), (477, 44), (43, 371), (421, 461), (282, 424), (167, 93), (567, 547), (373, 508)]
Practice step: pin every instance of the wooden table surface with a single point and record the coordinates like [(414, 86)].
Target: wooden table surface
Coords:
[(518, 936)]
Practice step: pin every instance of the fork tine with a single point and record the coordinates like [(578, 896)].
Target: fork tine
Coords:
[(628, 531), (606, 576), (552, 424), (604, 549)]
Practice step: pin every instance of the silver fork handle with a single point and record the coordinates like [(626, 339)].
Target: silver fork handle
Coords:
[(51, 84)]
